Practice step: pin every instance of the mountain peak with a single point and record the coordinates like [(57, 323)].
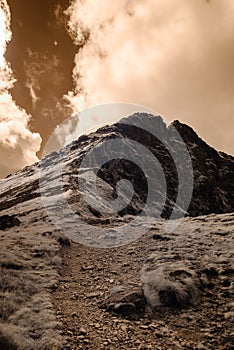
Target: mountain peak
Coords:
[(92, 194), (213, 190)]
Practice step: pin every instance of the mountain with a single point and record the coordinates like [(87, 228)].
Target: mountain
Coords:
[(95, 214), (213, 171)]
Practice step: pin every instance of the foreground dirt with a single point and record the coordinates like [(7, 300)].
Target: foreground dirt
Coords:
[(88, 274)]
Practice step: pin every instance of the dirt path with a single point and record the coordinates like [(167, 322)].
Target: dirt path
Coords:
[(87, 276)]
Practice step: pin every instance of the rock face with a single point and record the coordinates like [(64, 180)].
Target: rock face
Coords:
[(213, 173), (213, 190)]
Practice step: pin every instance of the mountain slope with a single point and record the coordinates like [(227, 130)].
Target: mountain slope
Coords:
[(35, 282)]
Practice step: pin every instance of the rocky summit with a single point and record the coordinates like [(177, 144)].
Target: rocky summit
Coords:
[(212, 171), (72, 277)]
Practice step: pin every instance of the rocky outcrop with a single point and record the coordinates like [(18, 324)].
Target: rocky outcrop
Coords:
[(171, 285), (213, 173), (213, 188), (128, 301)]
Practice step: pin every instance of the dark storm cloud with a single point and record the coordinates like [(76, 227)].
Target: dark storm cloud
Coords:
[(18, 145), (42, 56)]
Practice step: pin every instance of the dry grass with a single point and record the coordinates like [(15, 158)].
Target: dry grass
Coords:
[(29, 265)]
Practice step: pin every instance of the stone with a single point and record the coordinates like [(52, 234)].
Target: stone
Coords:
[(82, 331), (125, 300), (8, 221)]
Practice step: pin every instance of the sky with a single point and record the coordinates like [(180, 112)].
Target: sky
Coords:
[(60, 57)]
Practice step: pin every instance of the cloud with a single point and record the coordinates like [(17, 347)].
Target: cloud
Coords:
[(63, 134), (43, 76), (18, 145), (174, 57)]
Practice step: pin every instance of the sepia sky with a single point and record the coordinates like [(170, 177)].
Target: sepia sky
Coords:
[(58, 57)]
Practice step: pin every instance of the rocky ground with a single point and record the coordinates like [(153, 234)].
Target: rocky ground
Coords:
[(205, 243), (57, 279)]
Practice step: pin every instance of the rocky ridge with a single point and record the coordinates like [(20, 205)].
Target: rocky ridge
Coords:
[(213, 171)]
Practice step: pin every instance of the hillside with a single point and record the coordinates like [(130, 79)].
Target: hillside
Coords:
[(61, 255)]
